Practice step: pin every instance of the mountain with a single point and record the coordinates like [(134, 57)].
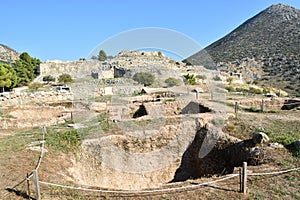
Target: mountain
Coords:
[(265, 49), (7, 54)]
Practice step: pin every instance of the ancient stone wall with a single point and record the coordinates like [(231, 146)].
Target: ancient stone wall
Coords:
[(77, 69)]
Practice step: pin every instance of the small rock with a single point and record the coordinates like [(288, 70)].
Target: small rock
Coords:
[(37, 148), (36, 143), (260, 137), (275, 145)]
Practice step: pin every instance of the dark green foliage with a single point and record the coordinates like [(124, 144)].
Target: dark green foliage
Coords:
[(8, 77), (48, 78), (144, 78), (65, 78), (26, 68), (172, 82), (190, 79), (102, 55)]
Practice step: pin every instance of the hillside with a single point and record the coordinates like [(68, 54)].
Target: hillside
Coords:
[(265, 48), (7, 54)]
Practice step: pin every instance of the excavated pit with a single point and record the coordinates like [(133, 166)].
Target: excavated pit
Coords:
[(188, 146)]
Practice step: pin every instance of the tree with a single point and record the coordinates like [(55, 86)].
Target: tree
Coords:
[(13, 78), (190, 79), (5, 78), (172, 82), (26, 68), (48, 78), (35, 86), (102, 55), (144, 78), (65, 78)]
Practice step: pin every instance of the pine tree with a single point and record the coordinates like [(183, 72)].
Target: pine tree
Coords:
[(102, 55)]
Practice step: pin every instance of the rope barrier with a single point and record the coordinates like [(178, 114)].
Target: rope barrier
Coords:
[(165, 189), (273, 173), (140, 191)]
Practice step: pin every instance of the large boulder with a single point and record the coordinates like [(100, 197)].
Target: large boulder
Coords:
[(215, 153), (260, 137)]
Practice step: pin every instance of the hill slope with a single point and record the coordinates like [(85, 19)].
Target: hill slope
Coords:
[(7, 54), (269, 42)]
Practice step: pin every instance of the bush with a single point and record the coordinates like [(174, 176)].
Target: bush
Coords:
[(65, 78), (172, 82), (64, 141), (35, 86), (48, 79), (230, 89), (217, 78), (255, 90), (144, 78), (202, 77)]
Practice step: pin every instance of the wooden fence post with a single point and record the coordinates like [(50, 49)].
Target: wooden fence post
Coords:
[(236, 109), (241, 179), (244, 176), (28, 185), (262, 105), (37, 185), (212, 96)]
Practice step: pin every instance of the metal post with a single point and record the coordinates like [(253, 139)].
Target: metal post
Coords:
[(244, 188)]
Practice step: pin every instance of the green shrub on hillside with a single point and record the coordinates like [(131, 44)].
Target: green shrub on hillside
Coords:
[(172, 82), (144, 78)]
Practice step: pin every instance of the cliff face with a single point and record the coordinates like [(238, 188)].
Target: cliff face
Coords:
[(270, 40), (7, 54)]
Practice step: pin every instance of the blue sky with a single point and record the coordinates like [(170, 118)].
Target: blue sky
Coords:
[(69, 30)]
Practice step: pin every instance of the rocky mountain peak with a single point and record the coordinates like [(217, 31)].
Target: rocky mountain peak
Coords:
[(270, 40), (284, 11)]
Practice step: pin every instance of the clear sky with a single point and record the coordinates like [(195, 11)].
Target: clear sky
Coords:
[(71, 29)]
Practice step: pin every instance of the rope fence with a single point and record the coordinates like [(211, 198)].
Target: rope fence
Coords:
[(32, 173), (142, 191)]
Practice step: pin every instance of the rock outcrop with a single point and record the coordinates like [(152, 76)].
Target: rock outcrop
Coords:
[(7, 54), (225, 154)]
